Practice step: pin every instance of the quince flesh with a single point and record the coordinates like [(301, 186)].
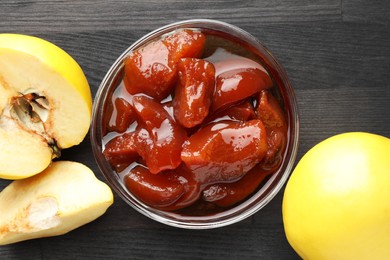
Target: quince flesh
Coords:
[(45, 104)]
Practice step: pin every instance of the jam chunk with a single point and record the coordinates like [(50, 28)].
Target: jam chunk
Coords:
[(270, 112), (242, 111), (185, 43), (159, 190), (167, 190), (192, 188), (122, 117), (159, 138), (194, 91), (152, 68), (235, 85), (225, 151), (121, 151), (229, 194)]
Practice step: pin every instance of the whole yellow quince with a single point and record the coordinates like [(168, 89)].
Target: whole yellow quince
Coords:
[(336, 203)]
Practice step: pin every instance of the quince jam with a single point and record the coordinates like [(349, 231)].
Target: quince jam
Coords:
[(194, 123)]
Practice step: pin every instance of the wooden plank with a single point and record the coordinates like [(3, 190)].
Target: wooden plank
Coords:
[(237, 242), (374, 11), (27, 250), (67, 16)]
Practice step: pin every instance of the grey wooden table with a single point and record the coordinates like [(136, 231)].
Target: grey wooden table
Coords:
[(336, 52)]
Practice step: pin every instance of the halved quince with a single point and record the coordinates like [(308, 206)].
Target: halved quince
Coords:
[(45, 104), (65, 196)]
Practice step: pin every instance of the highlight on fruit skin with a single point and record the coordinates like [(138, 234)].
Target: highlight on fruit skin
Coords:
[(62, 198), (336, 204), (45, 104)]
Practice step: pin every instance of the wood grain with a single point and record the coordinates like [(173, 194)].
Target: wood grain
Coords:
[(336, 54), (38, 16), (375, 11)]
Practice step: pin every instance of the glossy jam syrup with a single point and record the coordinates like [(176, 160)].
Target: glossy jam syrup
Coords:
[(207, 180)]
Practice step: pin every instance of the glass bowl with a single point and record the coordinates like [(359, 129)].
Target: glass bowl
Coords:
[(266, 192)]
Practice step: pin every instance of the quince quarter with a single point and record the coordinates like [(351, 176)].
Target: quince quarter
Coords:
[(65, 196)]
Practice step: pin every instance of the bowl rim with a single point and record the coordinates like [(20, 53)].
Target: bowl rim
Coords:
[(244, 209)]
